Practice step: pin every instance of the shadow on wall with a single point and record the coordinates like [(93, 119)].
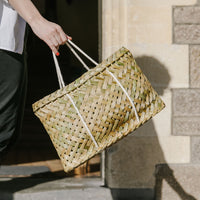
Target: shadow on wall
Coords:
[(132, 161)]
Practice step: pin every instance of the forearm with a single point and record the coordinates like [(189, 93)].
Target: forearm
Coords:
[(27, 11), (51, 33)]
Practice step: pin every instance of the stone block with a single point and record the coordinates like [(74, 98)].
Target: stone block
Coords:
[(177, 182), (186, 102), (175, 148), (187, 15), (131, 162), (143, 19), (195, 149), (187, 126), (194, 66), (158, 2), (187, 34), (171, 60), (162, 121)]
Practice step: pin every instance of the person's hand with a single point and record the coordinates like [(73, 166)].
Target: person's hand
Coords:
[(51, 33)]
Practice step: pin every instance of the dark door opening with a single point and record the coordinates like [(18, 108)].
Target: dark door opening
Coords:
[(79, 19)]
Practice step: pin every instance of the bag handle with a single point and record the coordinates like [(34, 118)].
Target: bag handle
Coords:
[(82, 52), (62, 84), (59, 74)]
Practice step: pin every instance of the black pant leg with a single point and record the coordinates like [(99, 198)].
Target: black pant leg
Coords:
[(13, 82)]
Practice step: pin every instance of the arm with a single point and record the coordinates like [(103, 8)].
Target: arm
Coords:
[(51, 33)]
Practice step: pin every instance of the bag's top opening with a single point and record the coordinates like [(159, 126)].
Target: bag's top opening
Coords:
[(81, 80)]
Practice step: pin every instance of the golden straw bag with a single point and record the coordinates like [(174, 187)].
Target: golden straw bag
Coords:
[(96, 110)]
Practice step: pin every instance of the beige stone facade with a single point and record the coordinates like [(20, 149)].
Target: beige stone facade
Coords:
[(145, 27)]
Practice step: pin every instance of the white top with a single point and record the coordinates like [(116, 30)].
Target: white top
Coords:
[(12, 28)]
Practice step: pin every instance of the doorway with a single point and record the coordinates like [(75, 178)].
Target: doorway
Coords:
[(78, 19)]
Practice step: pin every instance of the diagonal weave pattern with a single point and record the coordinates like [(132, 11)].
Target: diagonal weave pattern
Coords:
[(104, 106)]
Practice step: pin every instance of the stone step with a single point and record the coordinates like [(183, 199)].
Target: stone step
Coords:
[(177, 182), (61, 189), (6, 171), (37, 188)]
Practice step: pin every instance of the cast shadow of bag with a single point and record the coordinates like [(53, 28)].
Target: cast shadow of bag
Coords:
[(133, 159)]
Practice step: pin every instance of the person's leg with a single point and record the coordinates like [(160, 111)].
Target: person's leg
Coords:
[(12, 98)]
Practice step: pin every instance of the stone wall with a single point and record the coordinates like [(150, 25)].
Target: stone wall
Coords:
[(163, 37), (186, 102)]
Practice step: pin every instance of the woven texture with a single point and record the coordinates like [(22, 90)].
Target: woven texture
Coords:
[(104, 106)]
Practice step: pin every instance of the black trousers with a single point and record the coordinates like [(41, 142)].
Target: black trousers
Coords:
[(13, 84)]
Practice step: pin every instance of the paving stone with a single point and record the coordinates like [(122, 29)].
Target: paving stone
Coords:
[(67, 189), (177, 182), (195, 66), (195, 149), (68, 194), (53, 189), (186, 102), (22, 170), (187, 34), (187, 14), (187, 126)]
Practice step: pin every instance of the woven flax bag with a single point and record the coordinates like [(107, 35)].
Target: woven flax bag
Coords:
[(96, 110)]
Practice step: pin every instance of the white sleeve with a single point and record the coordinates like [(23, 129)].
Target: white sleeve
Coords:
[(6, 2)]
